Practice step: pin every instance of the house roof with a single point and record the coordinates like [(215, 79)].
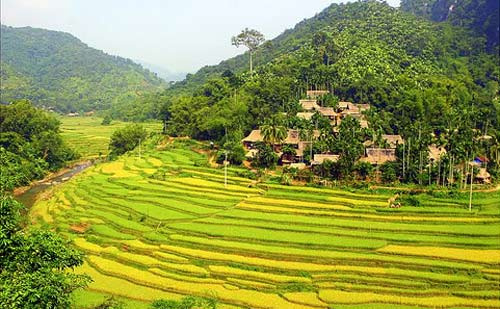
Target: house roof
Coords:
[(435, 152), (305, 115), (293, 137), (327, 111), (393, 140), (483, 174), (315, 93), (379, 155), (309, 104), (363, 107), (254, 136), (299, 166), (343, 104), (320, 158)]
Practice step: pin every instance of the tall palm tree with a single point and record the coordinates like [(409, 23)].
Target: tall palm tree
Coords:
[(274, 134)]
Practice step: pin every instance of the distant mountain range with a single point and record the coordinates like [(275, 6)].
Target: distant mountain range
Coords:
[(56, 70), (162, 72)]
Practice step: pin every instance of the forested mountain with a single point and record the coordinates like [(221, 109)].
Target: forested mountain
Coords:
[(481, 16), (338, 19), (431, 82), (55, 69)]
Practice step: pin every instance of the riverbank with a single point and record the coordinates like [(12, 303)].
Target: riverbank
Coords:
[(28, 195)]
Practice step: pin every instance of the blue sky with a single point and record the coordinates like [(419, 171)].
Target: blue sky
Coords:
[(178, 35)]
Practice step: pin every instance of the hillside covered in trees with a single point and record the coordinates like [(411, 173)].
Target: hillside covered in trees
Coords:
[(55, 69), (431, 82), (481, 16)]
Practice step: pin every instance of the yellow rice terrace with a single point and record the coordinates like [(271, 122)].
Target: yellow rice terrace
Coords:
[(165, 225)]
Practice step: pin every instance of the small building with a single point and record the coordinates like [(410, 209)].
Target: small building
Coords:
[(328, 112), (435, 152), (299, 165), (251, 154), (343, 105), (316, 93), (252, 138), (321, 158), (393, 140), (483, 176), (363, 107), (378, 156), (305, 115), (309, 105)]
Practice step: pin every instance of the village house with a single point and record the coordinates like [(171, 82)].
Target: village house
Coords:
[(393, 140), (378, 156), (293, 139), (319, 159), (305, 115), (309, 104), (435, 153), (313, 94)]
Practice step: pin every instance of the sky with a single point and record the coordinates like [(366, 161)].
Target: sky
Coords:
[(181, 36)]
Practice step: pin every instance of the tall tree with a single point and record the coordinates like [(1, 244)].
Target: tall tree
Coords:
[(251, 39), (34, 264)]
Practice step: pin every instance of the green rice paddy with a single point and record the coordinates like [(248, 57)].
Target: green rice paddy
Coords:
[(91, 139), (148, 237)]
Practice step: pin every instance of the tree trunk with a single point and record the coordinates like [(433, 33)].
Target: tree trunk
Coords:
[(251, 62)]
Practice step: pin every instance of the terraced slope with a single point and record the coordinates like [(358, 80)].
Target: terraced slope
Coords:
[(91, 139), (163, 226)]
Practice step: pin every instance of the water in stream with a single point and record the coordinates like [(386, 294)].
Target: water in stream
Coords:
[(28, 197)]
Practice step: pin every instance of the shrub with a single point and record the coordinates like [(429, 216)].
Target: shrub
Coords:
[(186, 303), (106, 121), (126, 139)]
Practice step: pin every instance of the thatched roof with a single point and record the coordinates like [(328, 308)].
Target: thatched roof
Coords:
[(343, 105), (321, 158), (363, 107), (309, 104), (393, 140), (254, 136), (327, 111), (315, 93), (483, 174), (435, 152), (293, 137), (305, 115), (379, 155), (299, 166)]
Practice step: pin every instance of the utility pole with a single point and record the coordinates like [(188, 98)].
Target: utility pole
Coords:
[(470, 193), (225, 170), (139, 148)]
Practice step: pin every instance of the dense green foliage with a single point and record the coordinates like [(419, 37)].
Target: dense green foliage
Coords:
[(189, 302), (30, 144), (433, 83), (482, 16), (34, 264), (126, 139), (55, 69)]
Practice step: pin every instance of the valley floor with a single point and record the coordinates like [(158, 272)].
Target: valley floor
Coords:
[(164, 226)]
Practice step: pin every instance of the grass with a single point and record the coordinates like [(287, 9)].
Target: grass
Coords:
[(165, 226)]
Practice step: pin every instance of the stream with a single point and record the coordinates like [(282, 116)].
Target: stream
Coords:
[(29, 197)]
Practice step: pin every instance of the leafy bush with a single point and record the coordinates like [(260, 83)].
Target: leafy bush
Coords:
[(189, 302), (126, 139)]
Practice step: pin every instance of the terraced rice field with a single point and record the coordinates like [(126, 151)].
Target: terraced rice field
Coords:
[(163, 227), (89, 138)]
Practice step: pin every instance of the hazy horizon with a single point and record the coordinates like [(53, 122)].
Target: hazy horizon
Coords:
[(177, 36)]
